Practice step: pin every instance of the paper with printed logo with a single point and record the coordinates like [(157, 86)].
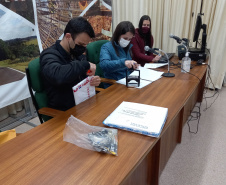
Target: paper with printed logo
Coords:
[(144, 119), (83, 90)]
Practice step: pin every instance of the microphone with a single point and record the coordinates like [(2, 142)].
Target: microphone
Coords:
[(168, 74), (147, 48), (176, 38), (157, 49)]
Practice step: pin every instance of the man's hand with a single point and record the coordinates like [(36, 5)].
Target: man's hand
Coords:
[(156, 59), (92, 69), (95, 81)]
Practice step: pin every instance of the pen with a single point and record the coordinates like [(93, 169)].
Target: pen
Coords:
[(135, 65)]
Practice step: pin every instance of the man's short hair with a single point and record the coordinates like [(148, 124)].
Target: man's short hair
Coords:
[(79, 25)]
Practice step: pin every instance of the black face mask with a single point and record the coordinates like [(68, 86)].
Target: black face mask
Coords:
[(78, 50)]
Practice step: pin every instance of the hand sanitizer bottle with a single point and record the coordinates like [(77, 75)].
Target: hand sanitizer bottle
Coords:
[(186, 63)]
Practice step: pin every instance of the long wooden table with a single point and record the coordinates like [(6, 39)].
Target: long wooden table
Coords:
[(40, 156)]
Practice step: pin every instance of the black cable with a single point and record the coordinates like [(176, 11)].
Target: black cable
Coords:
[(213, 101), (212, 95), (207, 83), (206, 87), (209, 72), (198, 114), (209, 75), (207, 50), (177, 65), (173, 65), (193, 118), (208, 79)]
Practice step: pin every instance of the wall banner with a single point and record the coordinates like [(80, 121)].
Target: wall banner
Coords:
[(18, 41), (29, 26), (53, 15)]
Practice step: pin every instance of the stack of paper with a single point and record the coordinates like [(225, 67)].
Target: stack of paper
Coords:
[(144, 119), (147, 76), (154, 65)]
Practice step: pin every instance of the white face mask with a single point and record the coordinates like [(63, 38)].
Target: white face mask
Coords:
[(123, 43)]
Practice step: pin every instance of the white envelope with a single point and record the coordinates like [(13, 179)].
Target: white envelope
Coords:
[(83, 91)]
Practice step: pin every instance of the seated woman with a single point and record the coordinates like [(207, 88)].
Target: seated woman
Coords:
[(115, 57), (143, 37)]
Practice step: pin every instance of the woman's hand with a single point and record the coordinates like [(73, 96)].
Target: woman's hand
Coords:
[(156, 59), (131, 64)]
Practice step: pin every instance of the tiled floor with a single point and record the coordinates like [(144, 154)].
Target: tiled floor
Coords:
[(13, 120), (25, 127), (200, 158)]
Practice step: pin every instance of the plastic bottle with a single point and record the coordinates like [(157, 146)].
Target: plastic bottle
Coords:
[(185, 63)]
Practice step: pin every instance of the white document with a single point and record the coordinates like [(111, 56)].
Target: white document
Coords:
[(83, 90), (147, 76), (154, 65), (144, 119)]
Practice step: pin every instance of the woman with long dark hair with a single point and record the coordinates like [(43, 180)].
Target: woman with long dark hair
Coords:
[(143, 37), (115, 56)]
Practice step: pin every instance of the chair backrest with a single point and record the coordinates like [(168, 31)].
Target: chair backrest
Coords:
[(35, 84), (93, 54)]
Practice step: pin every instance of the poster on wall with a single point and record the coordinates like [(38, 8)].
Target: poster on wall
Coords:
[(29, 26), (18, 41), (53, 15)]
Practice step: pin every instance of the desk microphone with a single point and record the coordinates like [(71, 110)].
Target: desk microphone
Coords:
[(176, 38), (168, 74), (147, 48)]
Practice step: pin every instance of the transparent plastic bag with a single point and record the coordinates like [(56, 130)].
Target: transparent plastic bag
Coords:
[(95, 138)]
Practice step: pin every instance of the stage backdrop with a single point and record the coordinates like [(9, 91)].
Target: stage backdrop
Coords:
[(29, 26)]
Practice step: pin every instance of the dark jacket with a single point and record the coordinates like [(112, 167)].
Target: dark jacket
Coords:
[(60, 73), (139, 54)]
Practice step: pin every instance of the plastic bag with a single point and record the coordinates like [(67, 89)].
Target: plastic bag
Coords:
[(91, 137)]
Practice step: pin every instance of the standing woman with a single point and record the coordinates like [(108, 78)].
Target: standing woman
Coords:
[(115, 56), (143, 37)]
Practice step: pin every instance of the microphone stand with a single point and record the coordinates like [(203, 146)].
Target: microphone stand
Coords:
[(168, 74)]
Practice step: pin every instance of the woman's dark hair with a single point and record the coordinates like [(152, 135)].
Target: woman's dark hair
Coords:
[(121, 29), (147, 36), (79, 25)]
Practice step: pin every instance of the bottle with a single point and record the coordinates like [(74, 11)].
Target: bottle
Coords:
[(186, 63)]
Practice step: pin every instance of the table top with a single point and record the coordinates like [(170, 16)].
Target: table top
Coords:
[(40, 156)]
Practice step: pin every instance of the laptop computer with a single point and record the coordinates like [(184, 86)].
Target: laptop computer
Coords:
[(163, 58)]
